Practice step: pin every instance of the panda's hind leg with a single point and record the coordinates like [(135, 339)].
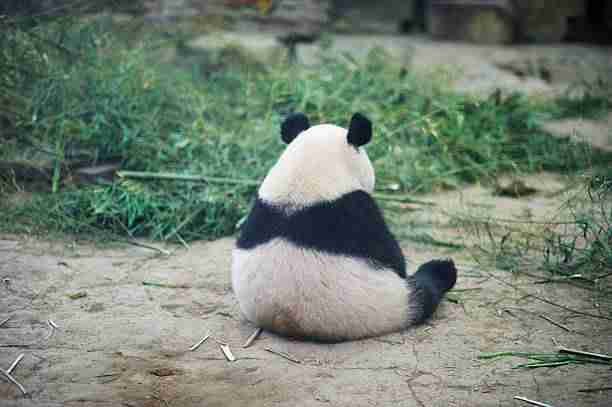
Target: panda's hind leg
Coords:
[(431, 281)]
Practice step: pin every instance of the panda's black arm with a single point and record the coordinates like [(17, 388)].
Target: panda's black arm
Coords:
[(351, 225)]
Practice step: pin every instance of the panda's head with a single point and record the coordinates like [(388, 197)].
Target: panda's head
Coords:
[(320, 163)]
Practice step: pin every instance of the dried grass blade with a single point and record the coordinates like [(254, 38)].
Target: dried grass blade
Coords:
[(252, 338), (227, 352), (14, 381), (4, 321), (15, 363), (284, 355), (199, 343), (560, 325), (532, 402)]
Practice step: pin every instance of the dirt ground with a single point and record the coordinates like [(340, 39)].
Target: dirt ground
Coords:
[(123, 343), (120, 342), (542, 70)]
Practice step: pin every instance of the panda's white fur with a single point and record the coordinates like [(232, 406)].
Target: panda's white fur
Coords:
[(318, 165), (305, 292)]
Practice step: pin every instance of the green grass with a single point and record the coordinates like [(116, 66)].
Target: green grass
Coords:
[(572, 245), (540, 360), (575, 242), (86, 96)]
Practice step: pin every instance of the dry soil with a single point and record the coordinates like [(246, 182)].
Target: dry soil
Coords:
[(123, 343)]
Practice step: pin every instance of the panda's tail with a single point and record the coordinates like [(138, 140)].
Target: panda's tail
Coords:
[(431, 281)]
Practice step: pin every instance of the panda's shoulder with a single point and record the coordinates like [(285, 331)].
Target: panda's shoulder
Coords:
[(351, 225)]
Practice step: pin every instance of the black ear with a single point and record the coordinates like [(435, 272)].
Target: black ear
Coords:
[(293, 125), (360, 130)]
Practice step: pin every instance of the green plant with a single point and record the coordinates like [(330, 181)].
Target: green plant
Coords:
[(572, 246), (539, 360), (91, 97)]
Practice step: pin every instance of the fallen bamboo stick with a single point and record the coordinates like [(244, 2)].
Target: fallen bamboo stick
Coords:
[(185, 177), (560, 325), (227, 352), (200, 342), (14, 381), (15, 363), (532, 402), (5, 320), (284, 355), (170, 176), (252, 338), (588, 354)]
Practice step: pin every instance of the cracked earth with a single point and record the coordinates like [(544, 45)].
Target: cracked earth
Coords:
[(124, 343)]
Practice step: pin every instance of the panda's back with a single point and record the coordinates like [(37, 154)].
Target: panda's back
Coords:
[(299, 291)]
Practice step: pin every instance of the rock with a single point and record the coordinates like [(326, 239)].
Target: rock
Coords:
[(597, 133), (572, 66), (306, 16), (262, 48), (514, 188), (546, 20), (164, 372), (502, 21), (399, 48), (491, 22), (365, 16)]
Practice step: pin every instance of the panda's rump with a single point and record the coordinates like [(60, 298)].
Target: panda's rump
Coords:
[(308, 293)]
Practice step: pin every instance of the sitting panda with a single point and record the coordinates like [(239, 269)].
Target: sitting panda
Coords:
[(314, 258)]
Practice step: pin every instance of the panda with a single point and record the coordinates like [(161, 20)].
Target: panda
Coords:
[(314, 258)]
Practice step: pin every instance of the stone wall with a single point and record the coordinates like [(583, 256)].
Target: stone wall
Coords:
[(502, 21), (546, 20), (480, 21), (303, 16), (43, 8), (366, 16)]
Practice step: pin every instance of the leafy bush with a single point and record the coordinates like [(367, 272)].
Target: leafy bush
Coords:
[(88, 96)]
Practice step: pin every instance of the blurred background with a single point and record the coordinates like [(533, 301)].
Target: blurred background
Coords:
[(479, 21), (159, 118)]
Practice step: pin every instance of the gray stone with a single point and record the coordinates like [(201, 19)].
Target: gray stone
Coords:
[(303, 16), (531, 69), (376, 17), (261, 47), (597, 133), (473, 23), (546, 20), (399, 48)]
